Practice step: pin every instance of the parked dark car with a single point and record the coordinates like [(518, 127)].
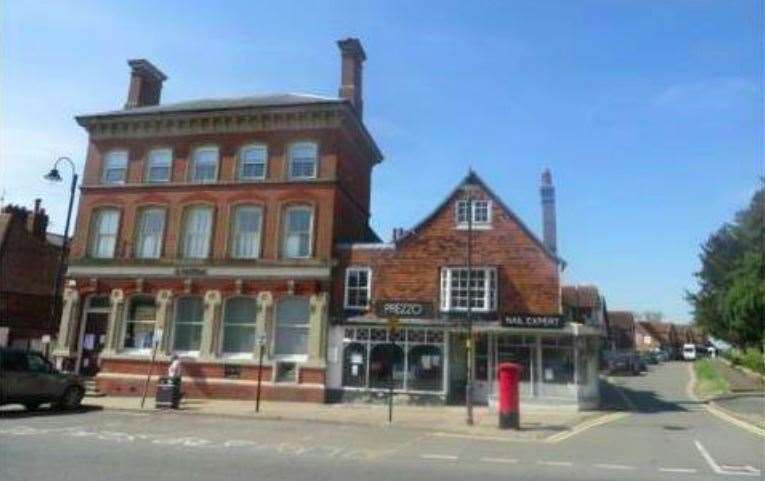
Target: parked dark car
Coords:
[(27, 378)]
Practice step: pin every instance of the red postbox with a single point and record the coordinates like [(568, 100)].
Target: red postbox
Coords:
[(509, 375)]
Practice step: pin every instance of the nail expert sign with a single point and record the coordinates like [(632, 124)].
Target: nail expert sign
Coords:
[(533, 321)]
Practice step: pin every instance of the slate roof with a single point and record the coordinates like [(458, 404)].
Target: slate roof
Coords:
[(204, 105)]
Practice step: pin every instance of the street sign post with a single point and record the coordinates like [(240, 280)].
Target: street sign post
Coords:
[(392, 327), (155, 342), (261, 341)]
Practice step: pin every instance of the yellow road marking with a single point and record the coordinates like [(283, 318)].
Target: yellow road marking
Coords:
[(608, 418), (735, 421)]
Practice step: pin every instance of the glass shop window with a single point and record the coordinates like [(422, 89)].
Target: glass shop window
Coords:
[(355, 365), (425, 368), (386, 361)]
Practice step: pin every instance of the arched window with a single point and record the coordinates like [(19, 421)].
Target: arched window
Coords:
[(115, 167), (151, 228), (386, 361), (297, 232), (246, 225), (252, 162), (187, 325), (239, 326), (140, 322), (425, 364), (159, 165), (292, 317), (302, 160), (196, 233), (104, 229), (204, 164), (355, 365)]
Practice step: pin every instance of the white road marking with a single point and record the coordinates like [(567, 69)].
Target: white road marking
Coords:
[(677, 470), (555, 463), (622, 467), (445, 457), (499, 460), (729, 470)]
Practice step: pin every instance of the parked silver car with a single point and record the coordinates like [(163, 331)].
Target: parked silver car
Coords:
[(27, 378)]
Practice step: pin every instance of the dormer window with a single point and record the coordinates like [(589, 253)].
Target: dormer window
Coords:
[(480, 210)]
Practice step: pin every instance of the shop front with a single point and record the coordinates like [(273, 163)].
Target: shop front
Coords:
[(426, 362)]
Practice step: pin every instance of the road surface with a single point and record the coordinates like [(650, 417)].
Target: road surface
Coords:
[(665, 436)]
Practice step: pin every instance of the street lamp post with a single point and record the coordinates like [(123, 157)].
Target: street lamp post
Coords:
[(55, 176), (469, 344)]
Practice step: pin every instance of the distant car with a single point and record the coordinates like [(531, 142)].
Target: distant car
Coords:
[(27, 378), (662, 356), (689, 352)]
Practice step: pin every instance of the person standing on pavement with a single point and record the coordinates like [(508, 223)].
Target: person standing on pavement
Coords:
[(175, 371)]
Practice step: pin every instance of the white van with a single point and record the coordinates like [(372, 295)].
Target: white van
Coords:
[(689, 352)]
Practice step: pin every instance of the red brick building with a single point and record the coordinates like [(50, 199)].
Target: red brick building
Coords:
[(422, 280), (29, 258), (207, 226), (204, 224)]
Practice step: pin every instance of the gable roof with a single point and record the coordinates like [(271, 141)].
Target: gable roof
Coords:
[(473, 179), (621, 319), (581, 296)]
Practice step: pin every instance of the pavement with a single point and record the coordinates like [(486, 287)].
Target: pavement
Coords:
[(657, 431), (746, 402), (536, 424)]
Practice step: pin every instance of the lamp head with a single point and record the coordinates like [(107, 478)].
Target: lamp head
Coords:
[(53, 175)]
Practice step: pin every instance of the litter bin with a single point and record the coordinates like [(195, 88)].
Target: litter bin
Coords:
[(168, 393)]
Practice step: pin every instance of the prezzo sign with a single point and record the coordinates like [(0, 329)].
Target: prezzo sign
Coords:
[(533, 321), (403, 309)]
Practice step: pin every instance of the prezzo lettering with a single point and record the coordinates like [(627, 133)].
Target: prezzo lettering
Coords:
[(401, 309)]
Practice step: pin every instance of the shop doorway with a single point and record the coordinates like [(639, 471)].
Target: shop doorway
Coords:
[(457, 369), (95, 320)]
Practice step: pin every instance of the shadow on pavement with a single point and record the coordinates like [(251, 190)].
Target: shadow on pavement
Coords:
[(44, 412), (642, 401)]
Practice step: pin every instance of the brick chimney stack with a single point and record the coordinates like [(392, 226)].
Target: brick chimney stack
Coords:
[(352, 59), (549, 228), (37, 222), (145, 84)]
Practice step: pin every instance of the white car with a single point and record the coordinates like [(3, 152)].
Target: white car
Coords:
[(689, 352)]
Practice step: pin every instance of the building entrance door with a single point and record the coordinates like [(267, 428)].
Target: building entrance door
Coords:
[(457, 369), (93, 342)]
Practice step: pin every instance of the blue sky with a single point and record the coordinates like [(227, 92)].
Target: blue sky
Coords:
[(648, 113)]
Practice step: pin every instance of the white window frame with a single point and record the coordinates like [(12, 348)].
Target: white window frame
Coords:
[(254, 325), (139, 235), (193, 164), (137, 351), (368, 287), (285, 225), (290, 156), (184, 220), (95, 232), (241, 163), (478, 225), (192, 353), (489, 298), (233, 231), (297, 358), (150, 165), (106, 167)]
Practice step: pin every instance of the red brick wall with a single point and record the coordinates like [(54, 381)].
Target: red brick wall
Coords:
[(28, 268), (528, 280), (200, 381), (273, 194)]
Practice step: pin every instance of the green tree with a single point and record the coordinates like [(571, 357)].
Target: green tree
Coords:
[(730, 301)]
